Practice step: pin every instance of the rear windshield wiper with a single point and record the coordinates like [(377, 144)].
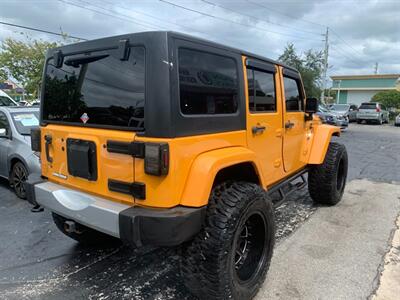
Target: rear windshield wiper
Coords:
[(81, 60)]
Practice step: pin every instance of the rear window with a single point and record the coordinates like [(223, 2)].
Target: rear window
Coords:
[(208, 83), (368, 106), (97, 89), (25, 121)]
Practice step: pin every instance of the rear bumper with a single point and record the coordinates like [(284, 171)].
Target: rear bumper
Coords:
[(368, 117), (138, 226)]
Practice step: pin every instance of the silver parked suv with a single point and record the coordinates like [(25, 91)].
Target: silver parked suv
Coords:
[(373, 111)]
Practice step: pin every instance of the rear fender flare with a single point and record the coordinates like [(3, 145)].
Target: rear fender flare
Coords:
[(205, 168)]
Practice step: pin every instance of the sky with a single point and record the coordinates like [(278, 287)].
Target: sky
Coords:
[(361, 32)]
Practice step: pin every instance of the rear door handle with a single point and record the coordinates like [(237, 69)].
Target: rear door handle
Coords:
[(258, 129), (289, 125), (49, 140)]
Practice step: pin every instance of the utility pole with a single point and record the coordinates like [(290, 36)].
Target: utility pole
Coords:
[(376, 68), (325, 65)]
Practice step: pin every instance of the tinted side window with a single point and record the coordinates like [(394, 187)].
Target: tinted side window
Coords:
[(208, 83), (294, 100), (261, 87)]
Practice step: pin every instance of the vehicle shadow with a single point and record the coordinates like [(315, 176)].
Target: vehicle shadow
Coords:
[(40, 262)]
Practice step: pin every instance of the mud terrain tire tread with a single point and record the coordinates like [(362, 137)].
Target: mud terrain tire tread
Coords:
[(205, 261), (322, 179)]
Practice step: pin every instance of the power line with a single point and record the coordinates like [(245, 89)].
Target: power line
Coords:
[(256, 18), (283, 14), (152, 25), (231, 21), (184, 27), (346, 43), (351, 60), (106, 14), (315, 23), (43, 31)]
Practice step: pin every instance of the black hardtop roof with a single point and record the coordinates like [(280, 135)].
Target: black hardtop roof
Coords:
[(179, 35)]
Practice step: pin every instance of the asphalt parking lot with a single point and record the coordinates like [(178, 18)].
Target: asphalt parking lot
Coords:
[(39, 262)]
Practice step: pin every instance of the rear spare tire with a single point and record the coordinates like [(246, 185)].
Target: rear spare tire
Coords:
[(231, 255), (326, 182)]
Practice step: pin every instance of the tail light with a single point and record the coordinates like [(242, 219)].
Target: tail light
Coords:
[(156, 160), (35, 140), (378, 109)]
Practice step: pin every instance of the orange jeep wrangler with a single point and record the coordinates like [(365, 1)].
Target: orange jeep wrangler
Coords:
[(159, 138)]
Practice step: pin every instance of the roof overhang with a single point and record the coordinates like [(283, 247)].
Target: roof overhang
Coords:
[(364, 89), (372, 76)]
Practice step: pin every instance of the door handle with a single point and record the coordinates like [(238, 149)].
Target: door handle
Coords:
[(289, 125), (49, 140), (258, 129)]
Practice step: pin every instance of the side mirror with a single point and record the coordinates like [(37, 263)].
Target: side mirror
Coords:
[(3, 133), (311, 105)]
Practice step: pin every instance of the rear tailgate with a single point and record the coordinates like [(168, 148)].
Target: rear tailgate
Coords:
[(64, 142), (367, 110)]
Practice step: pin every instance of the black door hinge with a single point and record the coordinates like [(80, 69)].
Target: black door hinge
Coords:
[(136, 149)]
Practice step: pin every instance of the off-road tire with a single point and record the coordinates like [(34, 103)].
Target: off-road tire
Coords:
[(209, 262), (87, 236), (326, 182), (19, 174)]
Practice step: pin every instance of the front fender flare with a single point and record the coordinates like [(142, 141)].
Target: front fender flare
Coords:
[(321, 138), (206, 166)]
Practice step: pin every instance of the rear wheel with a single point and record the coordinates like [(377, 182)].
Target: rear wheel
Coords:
[(83, 234), (359, 121), (18, 176), (326, 182), (231, 255), (380, 121)]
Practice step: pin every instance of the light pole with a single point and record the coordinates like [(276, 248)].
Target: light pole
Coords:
[(338, 93)]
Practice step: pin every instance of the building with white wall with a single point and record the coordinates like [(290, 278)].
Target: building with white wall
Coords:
[(356, 89)]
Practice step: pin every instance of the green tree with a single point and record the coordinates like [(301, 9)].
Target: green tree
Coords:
[(309, 64), (388, 98), (24, 62)]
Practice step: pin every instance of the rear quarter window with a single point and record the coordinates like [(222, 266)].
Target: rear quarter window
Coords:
[(208, 83)]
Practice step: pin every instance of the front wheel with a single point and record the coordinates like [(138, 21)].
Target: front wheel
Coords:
[(230, 257), (326, 182)]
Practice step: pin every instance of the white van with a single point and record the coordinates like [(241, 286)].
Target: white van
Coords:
[(6, 100)]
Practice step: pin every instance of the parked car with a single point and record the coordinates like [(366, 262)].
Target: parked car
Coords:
[(6, 100), (397, 120), (347, 110), (331, 117), (17, 160), (373, 111)]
